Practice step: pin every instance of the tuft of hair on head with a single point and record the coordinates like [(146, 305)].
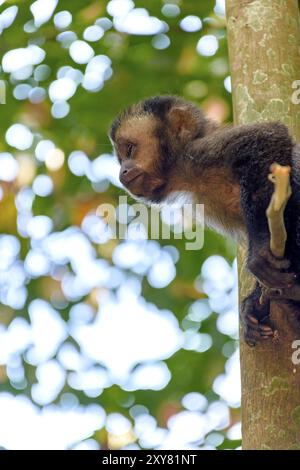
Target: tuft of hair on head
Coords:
[(167, 108), (134, 110), (159, 106)]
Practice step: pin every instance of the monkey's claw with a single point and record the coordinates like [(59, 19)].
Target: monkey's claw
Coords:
[(255, 319), (255, 331), (270, 271)]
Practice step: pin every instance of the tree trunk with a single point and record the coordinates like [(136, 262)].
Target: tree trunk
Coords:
[(263, 37)]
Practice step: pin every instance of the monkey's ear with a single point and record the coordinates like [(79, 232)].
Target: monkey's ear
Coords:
[(182, 120)]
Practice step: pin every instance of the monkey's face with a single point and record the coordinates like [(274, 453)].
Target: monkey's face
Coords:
[(150, 138), (139, 153)]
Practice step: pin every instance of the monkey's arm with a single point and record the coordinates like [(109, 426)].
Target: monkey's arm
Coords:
[(246, 153), (256, 194), (269, 143), (255, 308)]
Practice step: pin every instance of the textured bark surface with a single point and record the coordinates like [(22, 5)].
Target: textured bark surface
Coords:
[(264, 56)]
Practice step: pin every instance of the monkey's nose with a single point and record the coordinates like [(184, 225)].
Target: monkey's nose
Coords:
[(129, 174), (124, 175)]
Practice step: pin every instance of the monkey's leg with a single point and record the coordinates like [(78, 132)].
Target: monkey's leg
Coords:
[(255, 318)]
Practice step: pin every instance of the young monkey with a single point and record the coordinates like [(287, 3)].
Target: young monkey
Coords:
[(166, 146)]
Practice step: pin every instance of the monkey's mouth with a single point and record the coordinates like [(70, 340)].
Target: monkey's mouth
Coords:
[(135, 184)]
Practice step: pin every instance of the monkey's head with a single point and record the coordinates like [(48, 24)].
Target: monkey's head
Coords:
[(150, 138)]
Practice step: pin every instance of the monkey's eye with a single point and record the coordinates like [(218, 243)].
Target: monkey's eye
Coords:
[(129, 150)]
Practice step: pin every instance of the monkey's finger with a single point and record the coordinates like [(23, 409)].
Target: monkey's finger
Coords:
[(252, 337), (251, 319), (267, 333), (253, 324), (253, 328), (265, 328)]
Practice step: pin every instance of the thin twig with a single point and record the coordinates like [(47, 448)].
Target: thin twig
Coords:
[(280, 176)]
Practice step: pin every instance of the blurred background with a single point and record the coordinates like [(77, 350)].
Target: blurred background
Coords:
[(104, 343)]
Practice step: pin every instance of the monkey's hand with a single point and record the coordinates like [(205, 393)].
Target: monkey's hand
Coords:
[(255, 319), (270, 271)]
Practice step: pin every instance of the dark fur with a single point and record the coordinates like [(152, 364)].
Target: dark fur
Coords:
[(244, 154)]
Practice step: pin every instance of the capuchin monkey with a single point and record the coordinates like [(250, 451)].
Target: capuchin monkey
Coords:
[(167, 146)]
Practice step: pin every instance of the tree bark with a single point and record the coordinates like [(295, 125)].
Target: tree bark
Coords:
[(263, 38)]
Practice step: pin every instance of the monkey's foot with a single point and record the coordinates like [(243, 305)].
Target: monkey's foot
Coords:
[(270, 271), (256, 331), (255, 319)]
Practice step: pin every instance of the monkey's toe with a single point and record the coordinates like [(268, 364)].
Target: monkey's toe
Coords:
[(256, 331), (255, 319)]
